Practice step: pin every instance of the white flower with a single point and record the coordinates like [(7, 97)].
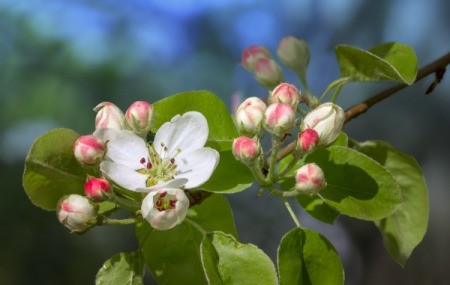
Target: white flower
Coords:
[(74, 211), (164, 209), (177, 157)]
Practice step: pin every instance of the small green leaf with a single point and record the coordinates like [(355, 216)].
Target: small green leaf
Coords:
[(226, 261), (123, 268), (317, 208), (306, 257), (404, 230), (173, 256), (230, 176), (357, 186), (341, 140), (389, 61), (51, 170), (221, 127)]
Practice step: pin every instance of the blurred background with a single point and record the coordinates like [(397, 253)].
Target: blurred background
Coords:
[(60, 58)]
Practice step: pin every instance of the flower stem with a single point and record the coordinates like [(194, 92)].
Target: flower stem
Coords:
[(106, 221), (291, 212), (197, 226), (337, 83)]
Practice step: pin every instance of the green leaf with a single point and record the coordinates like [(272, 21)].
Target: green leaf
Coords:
[(389, 61), (51, 170), (230, 176), (173, 256), (404, 230), (221, 127), (226, 261), (341, 140), (317, 208), (357, 186), (123, 268), (306, 257)]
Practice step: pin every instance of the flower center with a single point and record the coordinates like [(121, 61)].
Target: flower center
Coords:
[(164, 201)]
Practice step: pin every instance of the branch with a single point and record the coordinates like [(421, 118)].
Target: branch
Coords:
[(358, 109)]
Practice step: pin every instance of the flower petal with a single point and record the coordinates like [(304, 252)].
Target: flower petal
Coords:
[(128, 149), (197, 166), (106, 134), (123, 175), (186, 132)]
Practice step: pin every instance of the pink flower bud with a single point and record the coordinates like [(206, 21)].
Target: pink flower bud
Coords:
[(280, 118), (307, 140), (246, 149), (285, 93), (268, 73), (165, 208), (139, 117), (74, 212), (109, 116), (88, 150), (294, 53), (309, 179), (250, 116), (251, 54), (327, 120), (97, 189)]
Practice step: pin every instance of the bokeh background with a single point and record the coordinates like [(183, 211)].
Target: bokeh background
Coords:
[(59, 58)]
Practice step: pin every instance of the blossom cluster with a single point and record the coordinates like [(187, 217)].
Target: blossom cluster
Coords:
[(162, 170)]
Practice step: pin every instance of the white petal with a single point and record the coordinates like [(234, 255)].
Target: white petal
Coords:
[(197, 166), (175, 183), (106, 134), (122, 175), (128, 149), (186, 132)]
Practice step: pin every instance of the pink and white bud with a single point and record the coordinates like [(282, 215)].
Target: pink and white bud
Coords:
[(88, 150), (139, 117), (246, 149), (280, 118), (309, 179), (307, 140), (109, 116), (75, 212), (251, 54), (97, 188), (268, 73), (165, 208), (327, 120), (285, 93), (250, 116), (294, 53)]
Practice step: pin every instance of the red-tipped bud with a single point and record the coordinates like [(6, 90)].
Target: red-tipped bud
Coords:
[(285, 93), (109, 116), (88, 150), (280, 118), (307, 140), (250, 116), (268, 73), (139, 117), (75, 212), (309, 179), (246, 149), (97, 188), (294, 53), (251, 54)]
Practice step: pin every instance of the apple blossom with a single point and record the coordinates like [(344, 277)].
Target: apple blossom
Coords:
[(74, 211), (251, 54), (250, 116), (309, 179), (307, 140), (285, 93), (97, 189), (109, 116), (165, 208), (268, 73), (327, 120), (139, 117), (246, 149), (280, 118), (294, 53), (88, 150), (176, 158)]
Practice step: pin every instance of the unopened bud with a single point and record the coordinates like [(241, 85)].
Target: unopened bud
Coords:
[(327, 120), (246, 149), (309, 179), (109, 116), (294, 53), (250, 116), (251, 54), (88, 150), (307, 140), (139, 117), (74, 212), (280, 118), (268, 73), (285, 93), (97, 188)]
